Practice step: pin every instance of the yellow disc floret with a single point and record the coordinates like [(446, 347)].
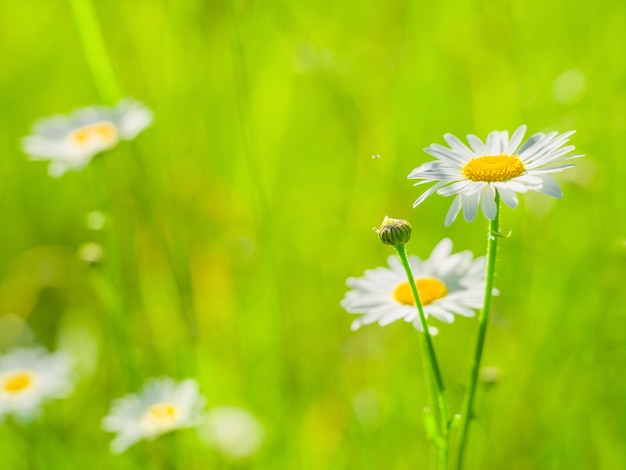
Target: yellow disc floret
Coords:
[(100, 134), (162, 415), (428, 288), (493, 168), (17, 382)]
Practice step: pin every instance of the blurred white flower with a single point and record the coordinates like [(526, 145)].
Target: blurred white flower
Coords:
[(70, 142), (233, 431), (447, 284), (29, 377), (162, 405)]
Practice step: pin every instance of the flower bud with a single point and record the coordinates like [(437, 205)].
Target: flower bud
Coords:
[(394, 232)]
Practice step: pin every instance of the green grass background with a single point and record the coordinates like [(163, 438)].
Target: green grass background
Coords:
[(252, 198)]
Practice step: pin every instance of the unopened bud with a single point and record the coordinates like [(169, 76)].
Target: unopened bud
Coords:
[(394, 232)]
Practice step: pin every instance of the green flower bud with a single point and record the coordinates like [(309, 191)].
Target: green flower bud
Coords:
[(394, 232)]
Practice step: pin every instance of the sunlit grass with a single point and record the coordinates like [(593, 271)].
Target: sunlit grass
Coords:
[(258, 174)]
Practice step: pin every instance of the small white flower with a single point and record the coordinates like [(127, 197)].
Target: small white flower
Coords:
[(162, 405), (29, 377), (70, 142), (232, 431), (501, 164), (447, 284)]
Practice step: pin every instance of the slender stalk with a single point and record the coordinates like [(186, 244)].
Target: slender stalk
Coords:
[(110, 91), (433, 375), (483, 320), (95, 51)]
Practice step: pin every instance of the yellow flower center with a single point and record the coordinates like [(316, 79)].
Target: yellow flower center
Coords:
[(490, 168), (102, 134), (17, 382), (162, 415), (428, 288)]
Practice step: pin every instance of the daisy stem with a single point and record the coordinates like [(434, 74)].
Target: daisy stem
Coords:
[(483, 320), (433, 374)]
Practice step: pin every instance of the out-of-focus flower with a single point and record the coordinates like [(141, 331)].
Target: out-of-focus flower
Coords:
[(447, 284), (162, 405), (501, 165), (70, 142), (29, 377), (233, 431)]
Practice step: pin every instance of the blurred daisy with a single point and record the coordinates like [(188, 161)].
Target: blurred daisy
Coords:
[(233, 431), (162, 405), (447, 284), (29, 377), (475, 173), (70, 142)]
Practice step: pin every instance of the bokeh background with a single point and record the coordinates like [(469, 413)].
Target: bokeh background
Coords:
[(233, 222)]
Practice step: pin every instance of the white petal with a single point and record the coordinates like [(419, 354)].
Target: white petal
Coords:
[(504, 141), (487, 202), (470, 206), (457, 145), (550, 186), (508, 197), (517, 137), (428, 192), (454, 210), (493, 143), (443, 153), (477, 145), (442, 250), (551, 169)]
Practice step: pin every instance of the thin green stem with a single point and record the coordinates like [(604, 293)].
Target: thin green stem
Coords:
[(483, 321), (433, 375), (95, 51)]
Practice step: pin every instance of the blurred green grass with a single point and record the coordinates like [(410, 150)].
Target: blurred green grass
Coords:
[(259, 172)]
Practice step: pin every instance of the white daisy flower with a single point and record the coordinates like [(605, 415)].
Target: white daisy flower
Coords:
[(475, 173), (29, 377), (162, 405), (233, 431), (70, 142), (447, 284)]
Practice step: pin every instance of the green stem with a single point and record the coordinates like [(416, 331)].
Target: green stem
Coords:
[(483, 320), (95, 51), (433, 375)]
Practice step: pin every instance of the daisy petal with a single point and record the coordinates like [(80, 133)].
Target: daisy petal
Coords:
[(487, 202), (517, 137), (454, 210), (550, 186), (470, 206), (508, 197)]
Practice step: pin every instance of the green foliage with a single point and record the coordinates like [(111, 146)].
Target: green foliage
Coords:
[(234, 221)]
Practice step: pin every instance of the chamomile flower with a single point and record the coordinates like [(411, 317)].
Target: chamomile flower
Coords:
[(70, 142), (29, 377), (474, 174), (447, 284), (233, 431), (163, 405)]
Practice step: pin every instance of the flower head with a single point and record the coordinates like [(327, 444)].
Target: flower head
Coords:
[(233, 431), (475, 173), (447, 284), (161, 406), (29, 377), (70, 142)]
